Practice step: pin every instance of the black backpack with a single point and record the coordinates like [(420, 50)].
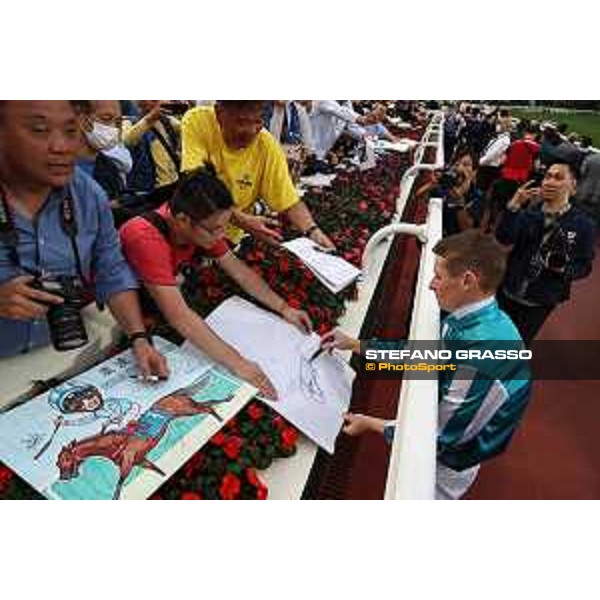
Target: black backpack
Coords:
[(190, 284)]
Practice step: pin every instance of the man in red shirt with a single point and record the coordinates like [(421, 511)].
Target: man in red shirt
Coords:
[(517, 168), (520, 158), (158, 245)]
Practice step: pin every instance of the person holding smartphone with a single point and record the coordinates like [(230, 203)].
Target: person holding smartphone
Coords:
[(550, 244)]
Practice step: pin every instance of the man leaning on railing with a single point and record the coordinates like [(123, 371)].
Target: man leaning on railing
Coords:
[(478, 413)]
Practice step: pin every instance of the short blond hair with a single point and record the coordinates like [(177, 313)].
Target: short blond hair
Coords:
[(473, 250)]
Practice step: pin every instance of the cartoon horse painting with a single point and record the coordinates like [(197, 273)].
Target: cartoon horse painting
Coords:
[(128, 448)]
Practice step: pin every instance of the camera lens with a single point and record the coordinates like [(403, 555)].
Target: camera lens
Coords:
[(67, 329), (449, 178)]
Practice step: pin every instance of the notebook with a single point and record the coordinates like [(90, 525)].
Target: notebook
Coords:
[(332, 271)]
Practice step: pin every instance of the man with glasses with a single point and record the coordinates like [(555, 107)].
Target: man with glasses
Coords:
[(161, 244), (551, 244), (252, 165), (103, 157)]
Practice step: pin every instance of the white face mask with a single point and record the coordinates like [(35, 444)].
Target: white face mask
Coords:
[(102, 137)]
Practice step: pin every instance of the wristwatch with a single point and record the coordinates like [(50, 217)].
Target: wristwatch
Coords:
[(311, 230), (139, 335)]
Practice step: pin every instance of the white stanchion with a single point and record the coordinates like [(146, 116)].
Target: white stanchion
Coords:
[(411, 473)]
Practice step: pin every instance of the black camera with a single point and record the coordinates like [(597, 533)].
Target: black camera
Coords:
[(449, 178), (67, 329), (554, 254), (557, 251)]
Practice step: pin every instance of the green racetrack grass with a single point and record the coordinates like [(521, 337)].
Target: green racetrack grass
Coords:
[(581, 123)]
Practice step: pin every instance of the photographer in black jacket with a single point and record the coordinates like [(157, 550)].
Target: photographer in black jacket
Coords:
[(463, 200), (551, 244)]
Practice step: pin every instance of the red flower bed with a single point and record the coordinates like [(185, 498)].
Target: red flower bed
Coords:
[(6, 477)]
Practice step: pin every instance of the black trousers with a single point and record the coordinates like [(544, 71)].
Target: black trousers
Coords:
[(527, 319)]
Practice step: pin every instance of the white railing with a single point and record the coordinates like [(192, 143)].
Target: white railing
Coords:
[(411, 473), (432, 138)]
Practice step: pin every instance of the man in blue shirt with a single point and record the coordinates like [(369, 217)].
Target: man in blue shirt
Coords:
[(479, 407), (39, 142)]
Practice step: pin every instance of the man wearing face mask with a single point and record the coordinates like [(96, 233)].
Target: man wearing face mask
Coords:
[(103, 157), (56, 227)]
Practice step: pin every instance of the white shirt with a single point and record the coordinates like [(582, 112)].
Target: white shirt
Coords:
[(276, 123), (328, 119), (493, 155), (472, 307)]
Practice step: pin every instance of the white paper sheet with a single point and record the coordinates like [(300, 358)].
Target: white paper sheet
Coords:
[(397, 121), (334, 272), (312, 395), (318, 180), (401, 146)]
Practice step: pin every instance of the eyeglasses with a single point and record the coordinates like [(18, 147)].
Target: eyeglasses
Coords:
[(215, 231)]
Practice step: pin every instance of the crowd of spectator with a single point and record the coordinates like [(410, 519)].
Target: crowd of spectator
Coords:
[(536, 190), (121, 196)]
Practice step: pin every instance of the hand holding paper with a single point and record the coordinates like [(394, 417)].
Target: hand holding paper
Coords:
[(333, 271)]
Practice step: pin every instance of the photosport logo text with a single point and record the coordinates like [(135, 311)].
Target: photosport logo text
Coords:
[(496, 359)]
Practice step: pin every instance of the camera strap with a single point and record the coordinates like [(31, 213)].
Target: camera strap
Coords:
[(9, 235), (69, 225), (158, 222), (8, 232), (169, 146)]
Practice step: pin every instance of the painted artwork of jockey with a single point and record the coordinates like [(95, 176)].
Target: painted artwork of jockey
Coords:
[(82, 404), (128, 447), (105, 435)]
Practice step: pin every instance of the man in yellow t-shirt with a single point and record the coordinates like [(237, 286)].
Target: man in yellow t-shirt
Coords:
[(250, 162)]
